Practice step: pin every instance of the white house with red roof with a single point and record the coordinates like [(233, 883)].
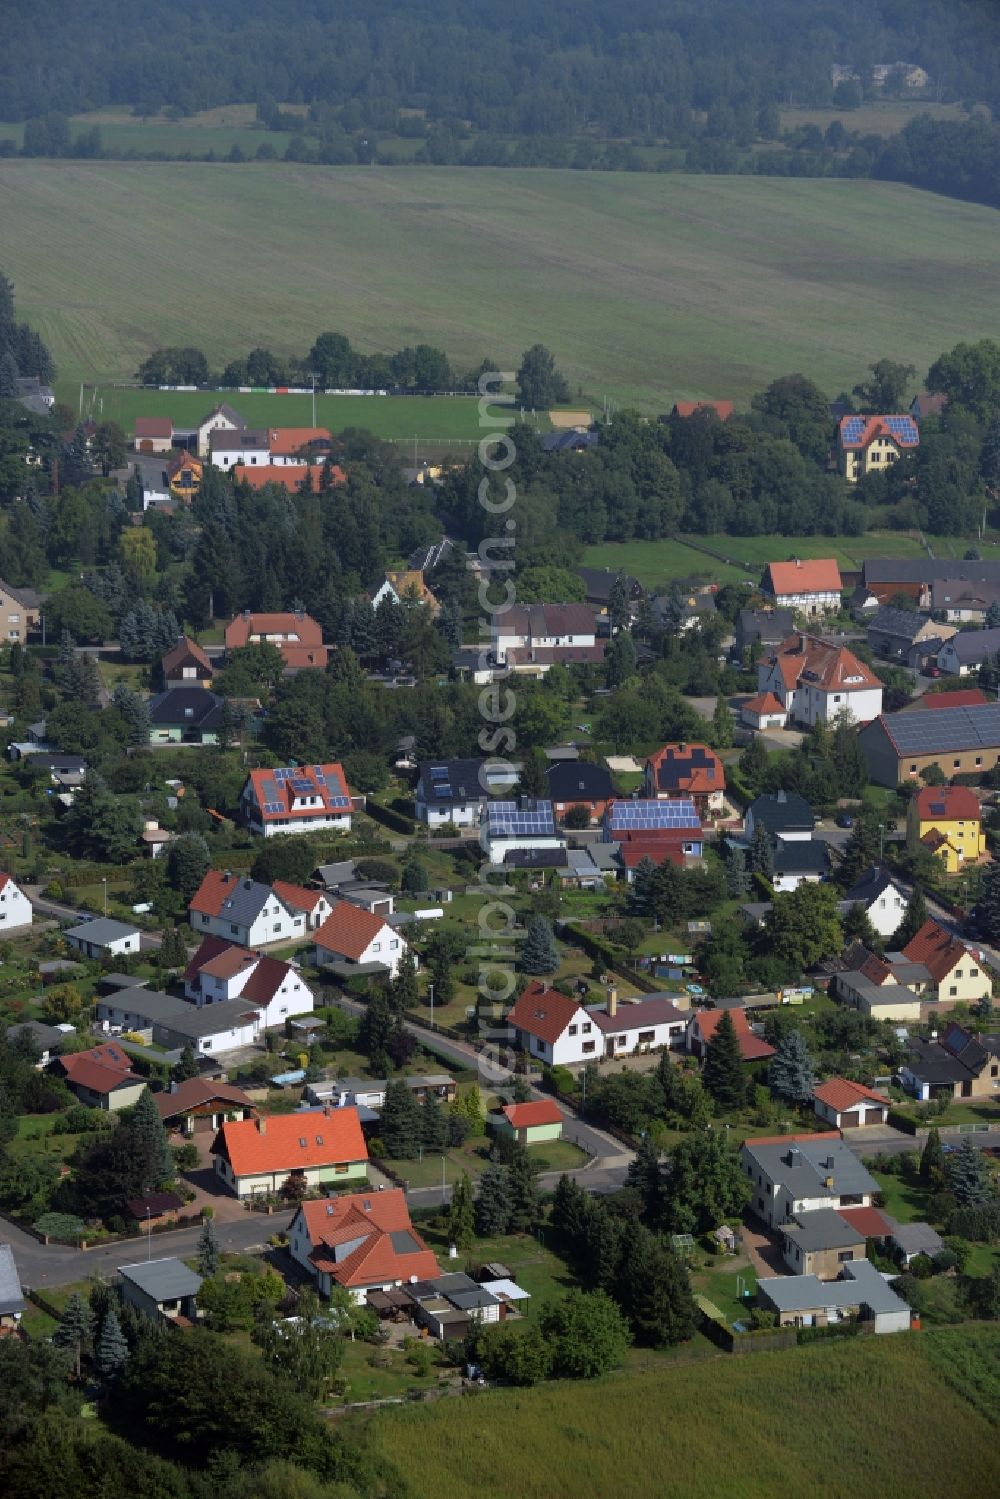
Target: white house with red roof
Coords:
[(101, 1078), (315, 905), (843, 1104), (538, 635), (255, 1157), (296, 799), (871, 444), (816, 682), (353, 940), (553, 1028), (15, 907), (362, 1241), (221, 970), (686, 772), (243, 911), (811, 586), (297, 636)]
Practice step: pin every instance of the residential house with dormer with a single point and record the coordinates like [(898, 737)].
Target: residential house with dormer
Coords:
[(296, 799), (816, 682), (871, 444)]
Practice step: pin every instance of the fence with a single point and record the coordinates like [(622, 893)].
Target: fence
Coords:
[(603, 952), (764, 1340)]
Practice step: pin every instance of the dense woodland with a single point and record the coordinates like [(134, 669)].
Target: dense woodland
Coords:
[(560, 85)]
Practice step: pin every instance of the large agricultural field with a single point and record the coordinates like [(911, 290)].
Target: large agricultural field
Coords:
[(905, 1416), (647, 287)]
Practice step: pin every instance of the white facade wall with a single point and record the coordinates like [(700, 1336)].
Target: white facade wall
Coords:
[(497, 848), (274, 924), (216, 423), (809, 705), (808, 603), (786, 882), (867, 1110), (581, 1041), (15, 907), (460, 814), (97, 950), (670, 1033), (887, 911), (249, 457), (504, 643)]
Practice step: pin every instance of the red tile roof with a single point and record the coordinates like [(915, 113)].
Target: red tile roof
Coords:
[(906, 434), (267, 978), (299, 897), (290, 475), (213, 892), (937, 949), (807, 575), (287, 441), (102, 1069), (867, 1221), (301, 628), (543, 1012), (829, 668), (962, 697), (824, 1134), (373, 1219), (526, 1115), (841, 1094), (763, 705), (660, 850), (154, 426), (210, 948), (752, 1049), (227, 964), (947, 804), (271, 791), (184, 653), (349, 930), (194, 1093), (290, 1142), (689, 769), (722, 409)]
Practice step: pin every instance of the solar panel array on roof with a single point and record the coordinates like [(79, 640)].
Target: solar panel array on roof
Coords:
[(903, 427), (511, 820), (853, 428), (653, 814), (954, 729)]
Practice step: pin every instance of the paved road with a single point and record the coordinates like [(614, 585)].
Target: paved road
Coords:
[(46, 907)]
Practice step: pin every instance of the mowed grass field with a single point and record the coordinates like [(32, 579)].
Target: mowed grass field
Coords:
[(884, 117), (904, 1416), (658, 562), (647, 288)]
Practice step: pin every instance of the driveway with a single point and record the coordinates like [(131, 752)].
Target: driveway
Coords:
[(763, 1248)]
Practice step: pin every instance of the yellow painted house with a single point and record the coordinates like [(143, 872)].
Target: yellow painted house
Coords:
[(869, 444), (948, 821), (184, 475)]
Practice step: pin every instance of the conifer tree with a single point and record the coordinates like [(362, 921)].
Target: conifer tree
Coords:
[(462, 1214), (149, 1133), (539, 953), (209, 1253), (791, 1074), (76, 1329), (737, 874), (723, 1070), (111, 1354), (932, 1161), (494, 1203), (761, 852), (917, 914), (966, 1176)]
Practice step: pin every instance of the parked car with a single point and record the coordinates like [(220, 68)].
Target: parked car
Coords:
[(844, 820)]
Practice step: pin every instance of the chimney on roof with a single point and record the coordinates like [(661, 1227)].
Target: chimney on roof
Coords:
[(613, 1001), (802, 642), (246, 614), (828, 1183), (798, 562), (261, 1125)]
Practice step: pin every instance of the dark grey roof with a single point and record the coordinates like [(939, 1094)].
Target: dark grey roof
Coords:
[(906, 623), (101, 930), (947, 729), (43, 1036), (425, 559), (782, 812), (768, 625), (336, 874), (246, 902), (925, 569), (186, 707), (804, 1166), (956, 593), (933, 1063), (11, 1299), (535, 858), (972, 646), (225, 441), (569, 442), (862, 1286), (56, 763), (916, 1238), (224, 409), (578, 780), (801, 856), (599, 581), (875, 880), (195, 1021), (148, 1004), (822, 1229), (163, 1280), (444, 782)]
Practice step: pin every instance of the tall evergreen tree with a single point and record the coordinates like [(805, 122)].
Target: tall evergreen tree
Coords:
[(619, 610), (645, 1177), (375, 1031), (657, 1297), (523, 1192), (723, 1071), (494, 1203), (148, 1131), (76, 1329), (209, 1253), (737, 874), (988, 904), (462, 1214), (404, 985), (967, 1177), (917, 914), (401, 1124), (538, 952), (791, 1073), (111, 1354), (761, 852), (433, 1124), (932, 1161)]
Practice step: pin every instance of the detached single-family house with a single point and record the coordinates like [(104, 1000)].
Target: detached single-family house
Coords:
[(103, 938), (12, 1302), (794, 1174), (883, 901), (959, 1065), (185, 715), (298, 637), (843, 1104), (199, 1104), (186, 665), (578, 783), (956, 971), (862, 1294), (101, 1078), (362, 1241), (788, 820), (763, 628), (353, 940), (905, 636), (154, 434), (15, 907), (405, 587), (456, 791), (163, 1290), (962, 602), (243, 911), (509, 827), (553, 1028), (530, 1123), (871, 444), (816, 682), (686, 772), (531, 638), (255, 1157), (948, 821), (21, 610), (703, 1024), (222, 970), (296, 799), (43, 1039), (960, 740), (184, 475), (966, 651), (222, 419), (804, 587)]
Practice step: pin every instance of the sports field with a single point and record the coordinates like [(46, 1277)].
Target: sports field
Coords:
[(647, 288), (906, 1416)]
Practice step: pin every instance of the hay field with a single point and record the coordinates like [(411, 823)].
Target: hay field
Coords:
[(647, 288)]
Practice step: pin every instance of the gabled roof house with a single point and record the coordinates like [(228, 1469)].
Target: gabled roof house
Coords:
[(363, 1241)]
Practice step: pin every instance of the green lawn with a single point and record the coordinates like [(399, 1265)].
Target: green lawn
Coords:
[(908, 1415), (648, 287), (533, 1264), (905, 1201), (375, 1373)]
